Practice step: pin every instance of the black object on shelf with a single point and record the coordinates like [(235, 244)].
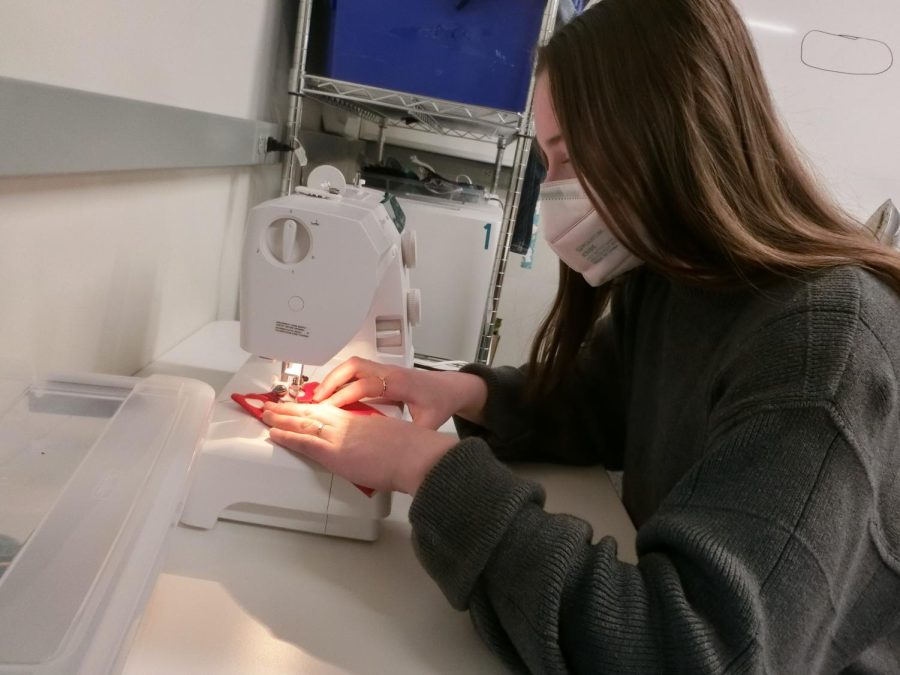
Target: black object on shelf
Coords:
[(531, 187), (392, 178)]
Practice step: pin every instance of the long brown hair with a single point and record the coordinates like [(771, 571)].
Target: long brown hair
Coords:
[(671, 129)]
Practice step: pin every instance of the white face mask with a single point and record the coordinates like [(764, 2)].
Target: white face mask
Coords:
[(578, 235)]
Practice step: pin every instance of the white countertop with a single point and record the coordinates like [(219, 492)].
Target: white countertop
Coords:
[(246, 600)]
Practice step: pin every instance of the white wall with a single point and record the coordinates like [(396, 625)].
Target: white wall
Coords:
[(845, 124), (103, 272)]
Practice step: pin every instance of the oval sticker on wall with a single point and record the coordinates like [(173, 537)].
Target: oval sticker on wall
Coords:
[(846, 54)]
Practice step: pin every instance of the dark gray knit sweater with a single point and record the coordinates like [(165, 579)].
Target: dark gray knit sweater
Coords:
[(759, 435)]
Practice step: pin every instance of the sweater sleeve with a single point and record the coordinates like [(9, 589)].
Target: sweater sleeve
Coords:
[(583, 423), (740, 570)]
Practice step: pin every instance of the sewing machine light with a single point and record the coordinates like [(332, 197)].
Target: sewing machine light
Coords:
[(294, 369)]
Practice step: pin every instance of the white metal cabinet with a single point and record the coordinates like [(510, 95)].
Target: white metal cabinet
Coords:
[(457, 245)]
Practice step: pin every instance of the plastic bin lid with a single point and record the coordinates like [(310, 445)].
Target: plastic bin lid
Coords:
[(93, 474)]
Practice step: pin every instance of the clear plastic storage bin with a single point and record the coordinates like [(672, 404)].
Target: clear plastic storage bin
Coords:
[(93, 475)]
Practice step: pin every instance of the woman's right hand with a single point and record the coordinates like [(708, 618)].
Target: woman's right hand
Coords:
[(432, 397)]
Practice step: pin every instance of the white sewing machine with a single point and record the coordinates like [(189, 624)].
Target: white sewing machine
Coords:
[(324, 277)]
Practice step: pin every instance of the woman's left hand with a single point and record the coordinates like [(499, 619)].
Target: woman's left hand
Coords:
[(379, 452)]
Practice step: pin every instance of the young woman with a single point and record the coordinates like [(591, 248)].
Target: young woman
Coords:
[(745, 379)]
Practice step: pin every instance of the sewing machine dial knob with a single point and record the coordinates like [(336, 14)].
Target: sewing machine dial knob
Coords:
[(408, 247), (287, 240), (414, 306)]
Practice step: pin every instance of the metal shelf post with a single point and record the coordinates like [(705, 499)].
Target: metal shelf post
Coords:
[(295, 85), (487, 343), (498, 166)]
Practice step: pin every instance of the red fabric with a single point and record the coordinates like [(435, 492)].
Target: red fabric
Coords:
[(244, 400)]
